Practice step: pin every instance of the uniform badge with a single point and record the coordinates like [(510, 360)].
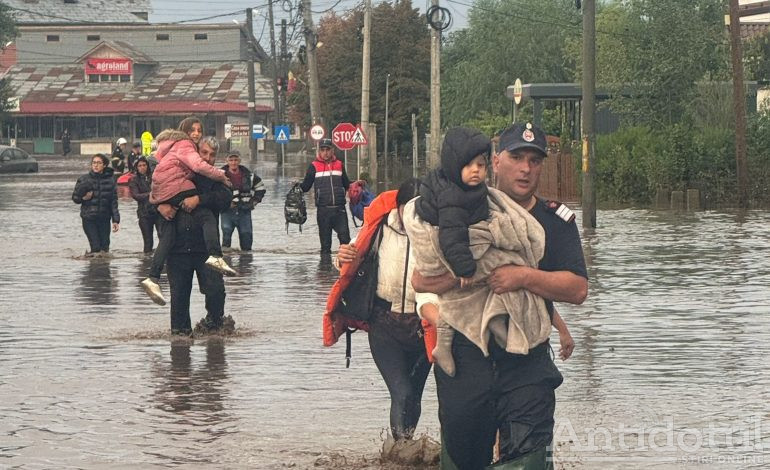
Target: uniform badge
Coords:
[(561, 210), (528, 135)]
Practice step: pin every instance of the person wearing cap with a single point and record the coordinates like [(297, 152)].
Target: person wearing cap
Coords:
[(248, 191), (511, 393), (326, 174)]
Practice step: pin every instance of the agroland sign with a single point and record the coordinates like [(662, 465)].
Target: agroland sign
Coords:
[(108, 66)]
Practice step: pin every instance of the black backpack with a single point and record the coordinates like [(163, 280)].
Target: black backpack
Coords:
[(294, 209)]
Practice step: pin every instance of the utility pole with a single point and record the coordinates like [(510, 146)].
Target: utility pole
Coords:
[(387, 100), (435, 92), (284, 72), (363, 150), (252, 92), (588, 111), (311, 40), (276, 72), (415, 142), (739, 104)]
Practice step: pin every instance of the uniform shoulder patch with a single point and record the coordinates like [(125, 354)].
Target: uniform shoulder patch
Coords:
[(561, 210)]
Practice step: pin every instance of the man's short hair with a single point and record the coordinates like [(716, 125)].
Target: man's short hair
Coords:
[(211, 141)]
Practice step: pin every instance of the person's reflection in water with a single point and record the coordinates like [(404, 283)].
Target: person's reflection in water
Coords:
[(194, 391), (98, 285)]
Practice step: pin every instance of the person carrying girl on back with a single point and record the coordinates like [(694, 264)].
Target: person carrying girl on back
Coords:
[(178, 162)]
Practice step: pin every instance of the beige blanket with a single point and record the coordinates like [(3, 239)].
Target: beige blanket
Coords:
[(510, 236)]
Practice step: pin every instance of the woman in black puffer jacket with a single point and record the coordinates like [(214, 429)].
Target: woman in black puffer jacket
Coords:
[(146, 213), (97, 194)]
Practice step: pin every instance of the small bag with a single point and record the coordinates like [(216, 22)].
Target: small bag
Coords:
[(357, 300)]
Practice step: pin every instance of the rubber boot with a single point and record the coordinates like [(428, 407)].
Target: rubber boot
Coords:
[(442, 353)]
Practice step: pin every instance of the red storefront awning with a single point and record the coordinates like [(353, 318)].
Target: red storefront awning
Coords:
[(135, 107)]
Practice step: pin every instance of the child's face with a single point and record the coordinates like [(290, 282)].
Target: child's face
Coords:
[(475, 172), (196, 132)]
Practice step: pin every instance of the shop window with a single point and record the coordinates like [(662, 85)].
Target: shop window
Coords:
[(52, 38), (93, 79), (104, 78), (33, 127), (89, 127), (125, 78), (114, 78), (46, 127), (70, 124), (121, 126), (93, 37), (201, 36), (162, 37), (106, 126), (21, 128)]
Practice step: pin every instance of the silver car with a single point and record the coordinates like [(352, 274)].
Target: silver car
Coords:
[(15, 160)]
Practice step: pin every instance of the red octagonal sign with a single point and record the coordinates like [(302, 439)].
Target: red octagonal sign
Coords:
[(342, 136)]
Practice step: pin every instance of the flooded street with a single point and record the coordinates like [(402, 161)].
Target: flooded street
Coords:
[(671, 345)]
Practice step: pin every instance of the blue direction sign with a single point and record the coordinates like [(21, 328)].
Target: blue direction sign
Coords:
[(258, 131), (281, 134)]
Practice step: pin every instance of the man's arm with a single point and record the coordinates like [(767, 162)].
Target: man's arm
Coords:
[(345, 179), (217, 198), (309, 179), (435, 284), (258, 189), (559, 286)]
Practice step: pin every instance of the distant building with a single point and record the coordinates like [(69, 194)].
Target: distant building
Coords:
[(101, 70)]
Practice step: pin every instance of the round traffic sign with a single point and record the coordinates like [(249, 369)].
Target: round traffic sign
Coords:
[(317, 132), (518, 91), (342, 136)]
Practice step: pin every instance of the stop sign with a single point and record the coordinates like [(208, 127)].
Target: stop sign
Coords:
[(342, 136)]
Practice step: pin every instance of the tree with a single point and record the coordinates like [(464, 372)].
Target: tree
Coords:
[(8, 33), (505, 40), (653, 53), (400, 46)]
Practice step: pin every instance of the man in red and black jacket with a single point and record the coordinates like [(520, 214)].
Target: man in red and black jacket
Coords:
[(327, 176)]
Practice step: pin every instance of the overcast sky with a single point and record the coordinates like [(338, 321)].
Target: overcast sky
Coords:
[(166, 11)]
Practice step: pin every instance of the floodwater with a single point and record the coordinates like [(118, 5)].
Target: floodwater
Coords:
[(668, 371)]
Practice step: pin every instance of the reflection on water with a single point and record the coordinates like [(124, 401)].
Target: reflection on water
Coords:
[(675, 330), (98, 286)]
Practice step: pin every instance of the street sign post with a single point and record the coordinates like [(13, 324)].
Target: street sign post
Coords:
[(282, 134), (342, 136), (518, 91), (317, 132), (258, 131), (359, 139)]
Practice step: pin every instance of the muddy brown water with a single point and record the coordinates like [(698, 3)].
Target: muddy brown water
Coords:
[(669, 370)]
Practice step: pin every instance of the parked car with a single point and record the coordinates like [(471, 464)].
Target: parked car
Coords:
[(15, 160)]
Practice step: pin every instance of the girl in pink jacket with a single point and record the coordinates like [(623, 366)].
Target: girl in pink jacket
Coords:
[(178, 162)]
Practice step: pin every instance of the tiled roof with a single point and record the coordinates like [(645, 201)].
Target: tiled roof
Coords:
[(167, 83), (84, 11)]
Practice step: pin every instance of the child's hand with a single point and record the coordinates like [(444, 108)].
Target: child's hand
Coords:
[(465, 282), (567, 345)]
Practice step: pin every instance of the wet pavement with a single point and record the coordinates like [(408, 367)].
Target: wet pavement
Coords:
[(670, 346)]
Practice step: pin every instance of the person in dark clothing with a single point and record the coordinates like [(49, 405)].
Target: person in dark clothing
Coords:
[(119, 156), (66, 139), (97, 194), (248, 191), (133, 156), (511, 393), (146, 213), (326, 174), (189, 253)]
